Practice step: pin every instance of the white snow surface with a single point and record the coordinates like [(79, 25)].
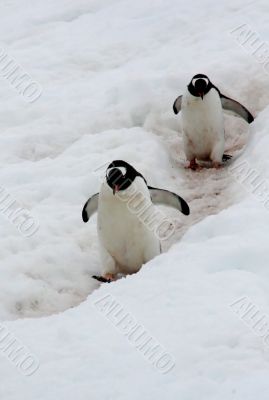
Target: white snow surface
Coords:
[(110, 72)]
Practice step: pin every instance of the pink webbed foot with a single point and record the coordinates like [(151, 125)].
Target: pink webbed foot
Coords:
[(107, 278), (216, 164), (193, 165)]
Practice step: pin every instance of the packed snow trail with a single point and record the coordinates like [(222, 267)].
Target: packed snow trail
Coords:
[(208, 191)]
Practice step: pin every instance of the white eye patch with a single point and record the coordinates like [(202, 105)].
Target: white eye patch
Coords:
[(123, 170), (196, 79)]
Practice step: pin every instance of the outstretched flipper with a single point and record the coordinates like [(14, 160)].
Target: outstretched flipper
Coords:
[(90, 207), (177, 105), (236, 108), (161, 196)]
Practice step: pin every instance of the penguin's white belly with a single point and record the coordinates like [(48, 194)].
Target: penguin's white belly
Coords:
[(203, 127), (128, 241)]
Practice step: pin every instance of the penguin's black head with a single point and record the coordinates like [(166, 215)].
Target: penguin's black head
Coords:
[(199, 85), (120, 175)]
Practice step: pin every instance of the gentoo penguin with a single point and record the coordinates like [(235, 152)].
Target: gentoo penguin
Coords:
[(126, 239), (202, 120)]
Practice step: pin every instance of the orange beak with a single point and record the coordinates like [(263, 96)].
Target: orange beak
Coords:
[(116, 188)]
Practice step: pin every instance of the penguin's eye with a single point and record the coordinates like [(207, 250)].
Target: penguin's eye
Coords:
[(199, 79), (123, 170)]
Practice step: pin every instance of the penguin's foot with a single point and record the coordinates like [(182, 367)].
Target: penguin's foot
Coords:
[(101, 279), (110, 277), (216, 164), (105, 279), (194, 166)]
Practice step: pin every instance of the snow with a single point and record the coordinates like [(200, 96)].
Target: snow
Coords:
[(110, 71)]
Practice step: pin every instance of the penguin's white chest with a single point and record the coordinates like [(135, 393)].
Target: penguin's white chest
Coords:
[(122, 232), (202, 121)]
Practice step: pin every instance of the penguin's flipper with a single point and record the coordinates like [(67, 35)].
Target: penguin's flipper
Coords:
[(236, 108), (90, 207), (177, 105), (161, 196)]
